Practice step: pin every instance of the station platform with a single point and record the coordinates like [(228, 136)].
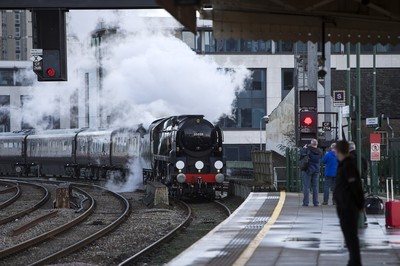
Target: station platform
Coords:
[(274, 229)]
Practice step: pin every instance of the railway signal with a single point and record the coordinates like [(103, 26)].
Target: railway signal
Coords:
[(49, 54), (308, 126)]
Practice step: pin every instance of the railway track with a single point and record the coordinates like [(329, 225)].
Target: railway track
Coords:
[(28, 198), (103, 212), (200, 219), (9, 193)]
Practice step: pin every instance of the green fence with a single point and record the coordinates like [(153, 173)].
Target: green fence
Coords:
[(389, 166)]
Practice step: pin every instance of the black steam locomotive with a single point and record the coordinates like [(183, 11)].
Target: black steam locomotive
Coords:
[(183, 152), (187, 154)]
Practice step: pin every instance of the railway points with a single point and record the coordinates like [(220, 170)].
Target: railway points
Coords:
[(274, 229)]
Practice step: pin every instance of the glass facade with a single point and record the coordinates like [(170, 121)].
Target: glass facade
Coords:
[(339, 48), (205, 42), (239, 152), (250, 104)]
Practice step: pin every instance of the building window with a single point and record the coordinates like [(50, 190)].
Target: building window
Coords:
[(209, 42), (74, 111), (193, 41), (24, 110), (17, 32), (6, 77), (287, 81), (284, 47), (250, 103), (257, 81), (4, 113)]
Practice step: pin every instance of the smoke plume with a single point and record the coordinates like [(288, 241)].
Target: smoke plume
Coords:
[(148, 74)]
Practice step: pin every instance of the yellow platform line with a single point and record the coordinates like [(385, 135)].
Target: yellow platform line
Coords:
[(251, 248)]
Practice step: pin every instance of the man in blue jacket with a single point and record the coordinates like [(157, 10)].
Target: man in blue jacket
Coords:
[(311, 174), (331, 165)]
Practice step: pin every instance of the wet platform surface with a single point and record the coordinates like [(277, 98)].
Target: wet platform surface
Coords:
[(299, 236)]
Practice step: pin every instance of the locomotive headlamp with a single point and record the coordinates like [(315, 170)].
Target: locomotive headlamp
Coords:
[(180, 165), (218, 165), (18, 169), (199, 165), (181, 178), (219, 178)]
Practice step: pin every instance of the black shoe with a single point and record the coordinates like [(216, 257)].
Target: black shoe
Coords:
[(304, 205), (325, 203)]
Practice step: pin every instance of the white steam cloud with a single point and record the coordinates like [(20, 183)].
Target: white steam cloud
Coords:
[(148, 74)]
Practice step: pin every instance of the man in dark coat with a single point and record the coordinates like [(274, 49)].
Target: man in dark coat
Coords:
[(349, 198), (311, 174)]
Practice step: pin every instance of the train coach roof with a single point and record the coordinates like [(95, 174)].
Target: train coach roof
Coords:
[(55, 133), (94, 132)]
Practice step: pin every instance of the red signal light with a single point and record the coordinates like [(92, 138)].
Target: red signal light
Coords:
[(308, 120), (50, 72)]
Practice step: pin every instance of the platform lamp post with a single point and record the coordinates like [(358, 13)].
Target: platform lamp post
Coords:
[(261, 120)]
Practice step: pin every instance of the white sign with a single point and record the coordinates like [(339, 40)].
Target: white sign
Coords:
[(36, 52), (36, 58), (372, 121), (346, 111), (375, 151), (339, 98)]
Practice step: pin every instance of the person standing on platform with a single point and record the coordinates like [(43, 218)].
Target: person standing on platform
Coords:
[(311, 173), (349, 199), (331, 164)]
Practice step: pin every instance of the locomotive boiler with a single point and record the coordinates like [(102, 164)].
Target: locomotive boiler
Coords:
[(187, 155)]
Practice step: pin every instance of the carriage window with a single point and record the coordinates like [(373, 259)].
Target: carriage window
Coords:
[(5, 144), (10, 145)]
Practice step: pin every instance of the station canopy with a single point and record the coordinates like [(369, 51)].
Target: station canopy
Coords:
[(364, 21)]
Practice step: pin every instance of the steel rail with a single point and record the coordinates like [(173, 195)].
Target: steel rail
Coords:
[(40, 238), (38, 204), (162, 240), (223, 207), (14, 197), (86, 241)]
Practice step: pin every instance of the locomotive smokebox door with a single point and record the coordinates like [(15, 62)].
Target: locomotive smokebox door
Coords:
[(63, 195)]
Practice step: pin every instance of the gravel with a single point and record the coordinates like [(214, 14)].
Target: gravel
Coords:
[(206, 215), (143, 227)]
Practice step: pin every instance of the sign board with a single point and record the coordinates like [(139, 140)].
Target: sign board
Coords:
[(36, 52), (346, 111), (36, 58), (37, 65), (375, 140), (339, 98), (372, 122), (326, 126), (375, 151)]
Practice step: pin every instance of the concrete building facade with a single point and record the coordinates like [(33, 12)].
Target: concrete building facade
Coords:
[(16, 34)]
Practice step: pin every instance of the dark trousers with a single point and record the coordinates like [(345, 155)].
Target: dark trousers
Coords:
[(349, 223), (329, 185)]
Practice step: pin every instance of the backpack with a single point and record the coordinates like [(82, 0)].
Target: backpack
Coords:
[(373, 205), (304, 161)]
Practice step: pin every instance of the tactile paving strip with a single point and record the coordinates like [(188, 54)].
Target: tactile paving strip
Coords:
[(238, 244)]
